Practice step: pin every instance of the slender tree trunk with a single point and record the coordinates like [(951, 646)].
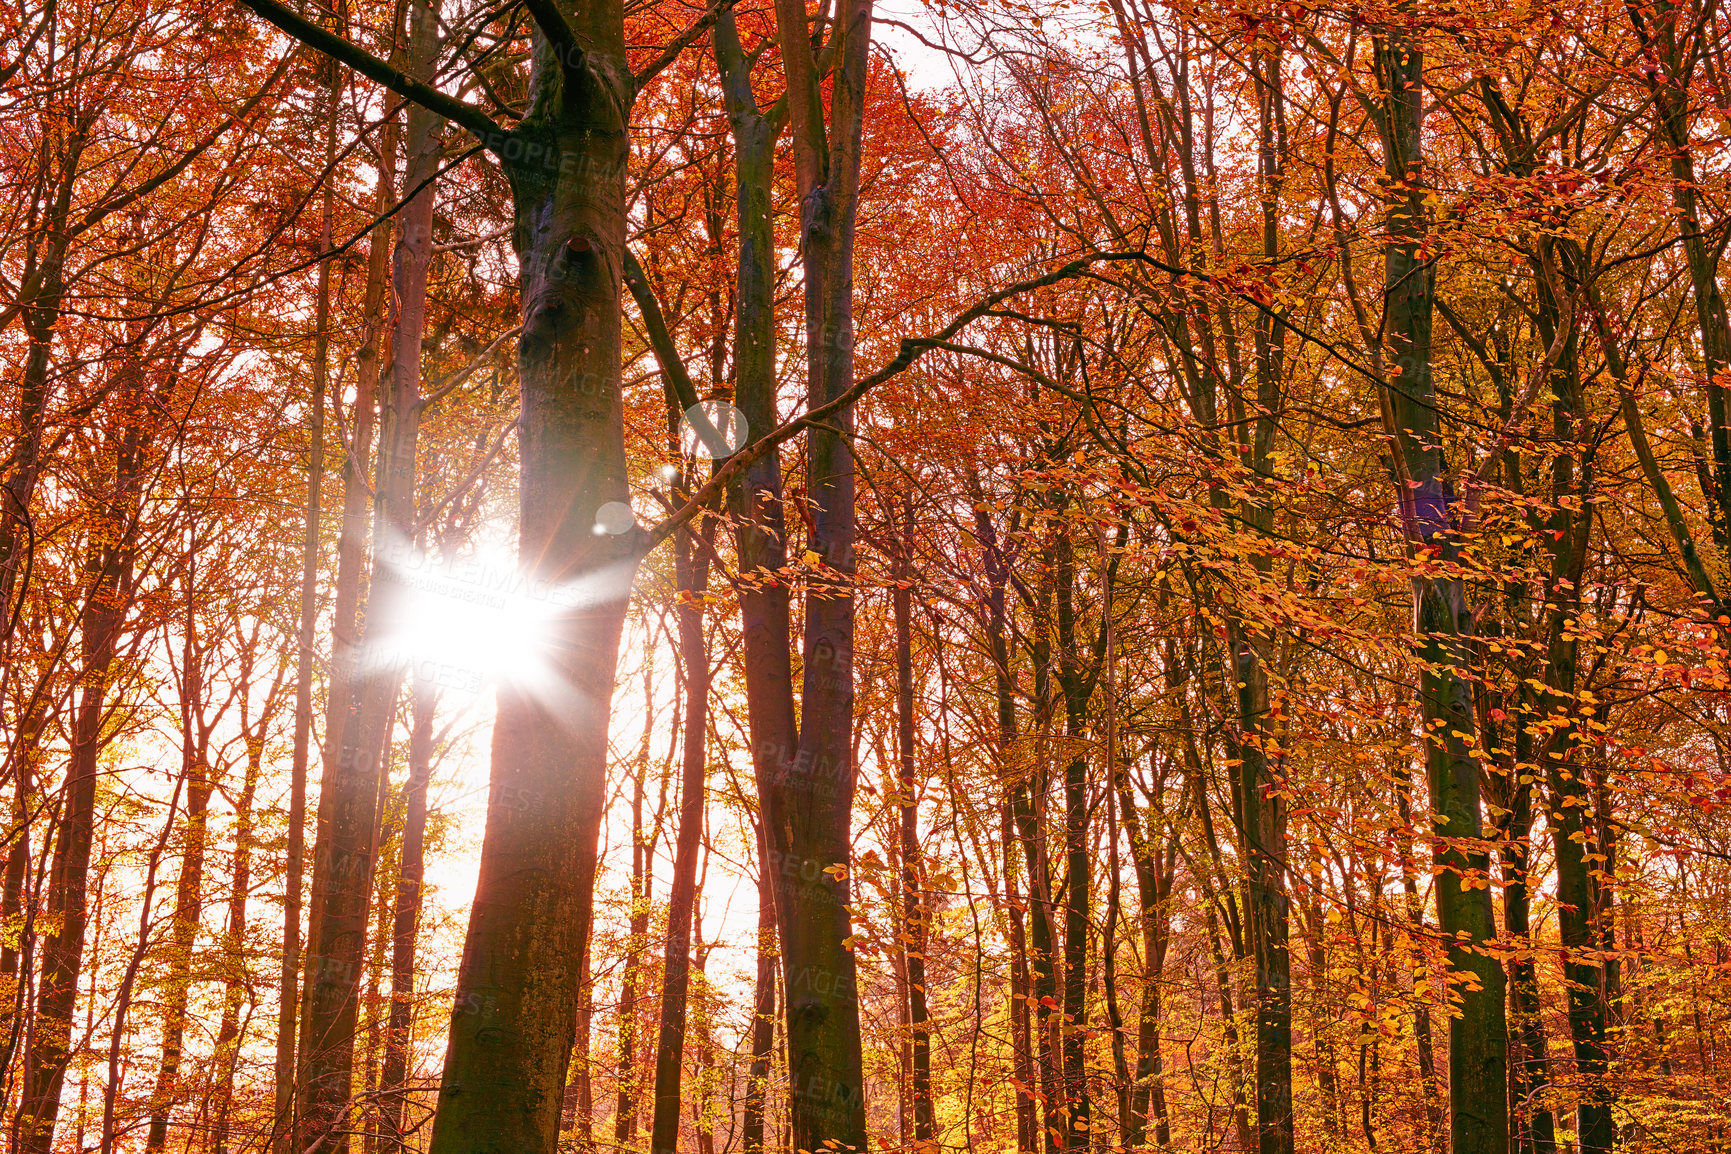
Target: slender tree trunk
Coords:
[(109, 573), (642, 881), (189, 889), (123, 999), (406, 921), (40, 315), (1423, 1036), (763, 1013), (226, 1056), (1529, 1065), (1028, 797), (14, 963), (1669, 41), (1076, 683), (915, 926), (703, 1080), (1154, 889), (288, 1003), (41, 312), (1218, 906), (579, 1117), (1021, 984), (345, 854), (691, 564)]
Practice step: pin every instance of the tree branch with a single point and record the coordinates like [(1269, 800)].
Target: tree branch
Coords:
[(488, 131), (679, 44), (911, 350), (558, 32)]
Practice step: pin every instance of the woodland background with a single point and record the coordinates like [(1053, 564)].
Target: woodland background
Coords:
[(1242, 492)]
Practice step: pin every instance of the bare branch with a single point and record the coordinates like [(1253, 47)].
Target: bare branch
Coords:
[(678, 44), (488, 131)]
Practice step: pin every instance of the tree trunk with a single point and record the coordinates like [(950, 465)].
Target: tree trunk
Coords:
[(518, 985), (406, 921), (364, 692), (915, 926), (578, 1119), (755, 501), (189, 889), (226, 1055), (763, 1013), (1478, 1060), (1003, 683), (691, 564), (14, 924), (1423, 1036), (809, 794), (108, 569), (348, 581), (1154, 876), (1529, 1061), (1076, 684), (642, 884)]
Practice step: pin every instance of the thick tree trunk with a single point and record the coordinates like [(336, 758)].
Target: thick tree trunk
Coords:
[(1478, 1044), (756, 504), (810, 791), (518, 985)]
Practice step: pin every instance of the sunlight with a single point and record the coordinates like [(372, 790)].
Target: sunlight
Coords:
[(469, 623)]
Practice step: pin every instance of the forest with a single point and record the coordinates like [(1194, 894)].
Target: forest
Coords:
[(819, 577)]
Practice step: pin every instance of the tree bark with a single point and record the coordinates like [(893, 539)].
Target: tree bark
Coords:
[(691, 565), (1478, 1060), (810, 791), (406, 920), (189, 888), (358, 726), (294, 869), (915, 924), (518, 986)]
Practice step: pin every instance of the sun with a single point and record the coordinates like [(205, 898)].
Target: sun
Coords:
[(467, 624)]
